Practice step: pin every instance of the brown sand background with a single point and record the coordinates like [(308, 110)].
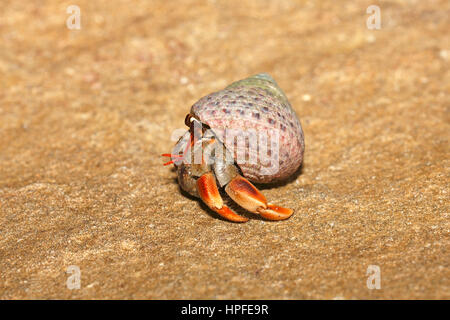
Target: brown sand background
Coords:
[(86, 114)]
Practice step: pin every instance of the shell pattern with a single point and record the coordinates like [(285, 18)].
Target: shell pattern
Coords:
[(256, 103)]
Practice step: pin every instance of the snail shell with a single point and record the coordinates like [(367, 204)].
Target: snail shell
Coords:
[(255, 103)]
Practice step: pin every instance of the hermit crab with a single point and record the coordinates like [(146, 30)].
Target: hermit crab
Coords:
[(247, 132)]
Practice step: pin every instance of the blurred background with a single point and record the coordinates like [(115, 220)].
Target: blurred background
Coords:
[(88, 104)]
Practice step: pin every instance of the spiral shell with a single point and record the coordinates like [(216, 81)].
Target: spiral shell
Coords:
[(255, 103)]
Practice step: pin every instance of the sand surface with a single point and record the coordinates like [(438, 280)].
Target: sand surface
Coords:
[(85, 115)]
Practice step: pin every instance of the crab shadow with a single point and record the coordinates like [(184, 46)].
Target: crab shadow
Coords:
[(281, 183)]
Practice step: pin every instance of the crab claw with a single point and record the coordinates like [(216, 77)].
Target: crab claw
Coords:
[(274, 212), (249, 197), (207, 189)]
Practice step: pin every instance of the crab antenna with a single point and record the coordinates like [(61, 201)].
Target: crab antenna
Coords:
[(192, 139), (172, 155), (179, 156)]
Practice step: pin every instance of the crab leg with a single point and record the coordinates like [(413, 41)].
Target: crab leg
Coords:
[(207, 188), (247, 196)]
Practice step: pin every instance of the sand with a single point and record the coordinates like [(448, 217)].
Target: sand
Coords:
[(85, 115)]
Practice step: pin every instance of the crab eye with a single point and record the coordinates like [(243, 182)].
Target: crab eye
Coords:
[(187, 120), (190, 118)]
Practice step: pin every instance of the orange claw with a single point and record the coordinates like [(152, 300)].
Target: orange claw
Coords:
[(249, 197), (274, 212), (207, 188), (228, 214)]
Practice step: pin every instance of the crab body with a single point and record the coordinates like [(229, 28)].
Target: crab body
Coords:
[(245, 132)]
